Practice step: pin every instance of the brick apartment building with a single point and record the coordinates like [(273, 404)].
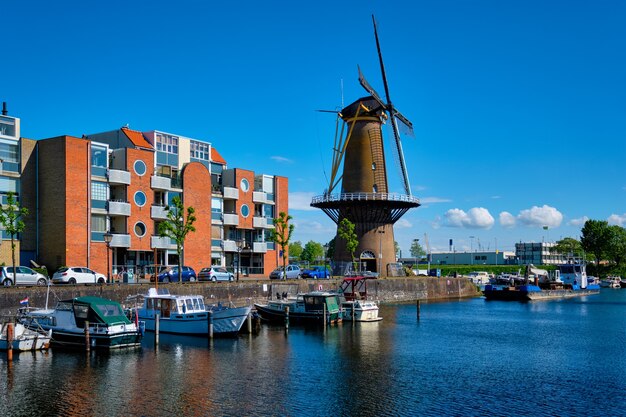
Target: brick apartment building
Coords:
[(122, 182)]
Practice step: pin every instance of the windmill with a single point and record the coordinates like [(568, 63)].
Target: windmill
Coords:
[(364, 198)]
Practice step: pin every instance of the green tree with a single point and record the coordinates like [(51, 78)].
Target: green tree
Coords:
[(568, 246), (616, 244), (295, 250), (330, 253), (594, 238), (417, 251), (281, 235), (11, 215), (177, 226), (313, 251), (347, 233)]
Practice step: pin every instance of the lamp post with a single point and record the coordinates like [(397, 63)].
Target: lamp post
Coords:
[(471, 250), (325, 258), (240, 244), (416, 242), (380, 252), (108, 237)]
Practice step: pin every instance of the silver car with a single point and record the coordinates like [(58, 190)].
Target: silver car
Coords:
[(24, 276), (293, 272)]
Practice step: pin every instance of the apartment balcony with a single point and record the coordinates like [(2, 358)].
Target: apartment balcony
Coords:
[(159, 212), (259, 197), (216, 245), (231, 193), (160, 183), (259, 222), (259, 247), (230, 246), (231, 220), (119, 177), (158, 242), (119, 208), (120, 240)]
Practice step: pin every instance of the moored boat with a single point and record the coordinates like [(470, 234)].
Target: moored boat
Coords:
[(308, 307), (70, 320), (188, 314), (24, 339), (355, 302)]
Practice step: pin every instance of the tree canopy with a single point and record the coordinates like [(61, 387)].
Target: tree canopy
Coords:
[(313, 252)]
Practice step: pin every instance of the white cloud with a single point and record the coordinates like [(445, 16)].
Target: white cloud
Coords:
[(495, 197), (403, 224), (418, 188), (281, 159), (507, 219), (301, 201), (578, 222), (541, 216), (433, 200), (475, 218), (617, 219)]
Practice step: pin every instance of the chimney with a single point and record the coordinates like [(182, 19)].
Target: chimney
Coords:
[(4, 108)]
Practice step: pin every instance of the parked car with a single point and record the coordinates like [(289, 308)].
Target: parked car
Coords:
[(171, 274), (24, 276), (317, 272), (293, 272), (215, 273), (77, 275)]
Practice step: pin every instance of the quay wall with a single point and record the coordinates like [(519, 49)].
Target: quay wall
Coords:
[(385, 290)]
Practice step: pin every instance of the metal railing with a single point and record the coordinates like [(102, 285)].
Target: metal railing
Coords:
[(364, 197)]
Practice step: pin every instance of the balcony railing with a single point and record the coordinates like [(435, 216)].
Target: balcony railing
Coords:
[(160, 183), (159, 212), (158, 242), (259, 197), (117, 176), (120, 241), (230, 246), (259, 222), (259, 247), (231, 193), (118, 208), (231, 220)]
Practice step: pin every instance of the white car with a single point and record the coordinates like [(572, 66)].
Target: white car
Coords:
[(215, 273), (25, 276), (77, 275)]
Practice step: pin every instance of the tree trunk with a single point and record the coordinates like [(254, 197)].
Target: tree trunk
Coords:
[(13, 258)]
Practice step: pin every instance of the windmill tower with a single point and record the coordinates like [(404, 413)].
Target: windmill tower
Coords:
[(364, 197)]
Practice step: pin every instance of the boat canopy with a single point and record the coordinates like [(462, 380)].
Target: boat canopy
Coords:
[(97, 310)]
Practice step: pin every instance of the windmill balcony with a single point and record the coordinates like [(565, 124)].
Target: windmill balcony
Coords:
[(159, 212), (231, 193), (119, 208), (120, 240), (118, 176), (231, 220), (158, 182)]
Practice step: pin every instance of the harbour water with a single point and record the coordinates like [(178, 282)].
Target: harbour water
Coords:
[(470, 357)]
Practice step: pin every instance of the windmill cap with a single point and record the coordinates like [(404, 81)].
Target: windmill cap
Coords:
[(350, 110)]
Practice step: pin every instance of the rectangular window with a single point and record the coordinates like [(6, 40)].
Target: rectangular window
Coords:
[(99, 159), (99, 194), (98, 227), (9, 157)]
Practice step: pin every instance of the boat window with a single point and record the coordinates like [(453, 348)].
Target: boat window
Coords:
[(150, 304), (174, 307), (196, 305), (109, 310), (165, 308), (189, 304), (201, 304), (81, 311)]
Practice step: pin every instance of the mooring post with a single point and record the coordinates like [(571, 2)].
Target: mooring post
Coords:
[(9, 342), (87, 344), (418, 310), (249, 323), (210, 324), (353, 312), (157, 325), (286, 319)]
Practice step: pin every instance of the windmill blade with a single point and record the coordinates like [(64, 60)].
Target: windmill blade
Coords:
[(369, 89), (400, 154), (382, 66), (405, 124)]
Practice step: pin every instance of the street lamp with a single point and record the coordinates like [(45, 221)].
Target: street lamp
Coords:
[(108, 237), (380, 253), (471, 250), (240, 245), (416, 242), (326, 259)]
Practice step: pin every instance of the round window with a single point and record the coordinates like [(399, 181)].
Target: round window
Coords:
[(245, 211), (140, 168), (140, 198), (140, 229), (245, 185)]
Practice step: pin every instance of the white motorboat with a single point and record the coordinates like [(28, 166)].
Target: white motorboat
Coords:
[(70, 320), (360, 310), (610, 282), (310, 307), (188, 314), (24, 339)]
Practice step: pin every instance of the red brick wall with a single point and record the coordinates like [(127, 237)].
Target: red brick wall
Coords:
[(245, 197), (197, 194), (137, 213), (273, 259), (77, 201)]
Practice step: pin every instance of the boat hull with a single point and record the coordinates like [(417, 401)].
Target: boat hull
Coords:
[(227, 321), (71, 339), (521, 294), (274, 315)]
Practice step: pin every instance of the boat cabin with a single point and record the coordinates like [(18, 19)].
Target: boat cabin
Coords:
[(162, 302)]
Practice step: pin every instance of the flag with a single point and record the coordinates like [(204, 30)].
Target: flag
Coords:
[(24, 301)]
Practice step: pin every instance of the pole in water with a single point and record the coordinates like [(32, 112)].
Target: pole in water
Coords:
[(157, 324), (249, 320), (324, 307), (9, 342), (418, 310), (87, 344), (210, 325), (286, 319)]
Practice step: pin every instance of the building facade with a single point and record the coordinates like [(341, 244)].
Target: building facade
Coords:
[(123, 182), (473, 258), (539, 253)]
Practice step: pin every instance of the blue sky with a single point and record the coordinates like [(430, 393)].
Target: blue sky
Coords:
[(519, 107)]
